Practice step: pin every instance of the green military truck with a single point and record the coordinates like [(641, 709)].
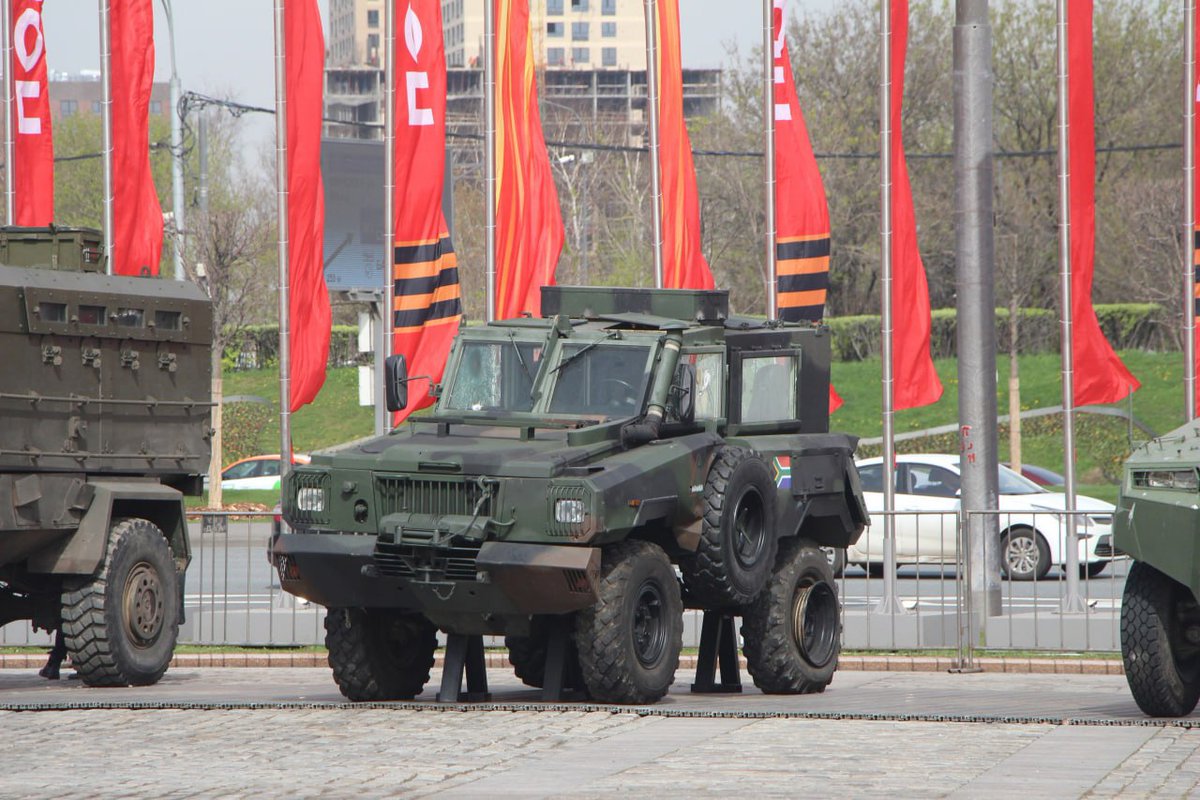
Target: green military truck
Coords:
[(105, 424), (1157, 523), (631, 452)]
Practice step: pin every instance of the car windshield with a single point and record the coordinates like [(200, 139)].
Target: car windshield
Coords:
[(605, 379), (495, 376), (1012, 483)]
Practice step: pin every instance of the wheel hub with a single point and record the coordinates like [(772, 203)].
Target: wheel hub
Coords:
[(1022, 555), (749, 529), (815, 622), (143, 604), (649, 625)]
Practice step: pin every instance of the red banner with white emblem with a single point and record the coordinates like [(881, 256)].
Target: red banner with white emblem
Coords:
[(137, 215), (33, 144), (427, 300)]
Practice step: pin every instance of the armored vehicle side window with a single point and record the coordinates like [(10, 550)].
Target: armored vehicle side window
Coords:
[(605, 379), (709, 381), (768, 388), (52, 312), (493, 376), (91, 315), (131, 318), (168, 320)]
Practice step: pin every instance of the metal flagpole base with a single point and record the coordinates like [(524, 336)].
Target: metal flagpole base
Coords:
[(1072, 603), (890, 604)]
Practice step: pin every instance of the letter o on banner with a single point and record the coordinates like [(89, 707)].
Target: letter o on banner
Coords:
[(29, 18)]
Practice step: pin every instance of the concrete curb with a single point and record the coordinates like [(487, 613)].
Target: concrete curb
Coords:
[(499, 660)]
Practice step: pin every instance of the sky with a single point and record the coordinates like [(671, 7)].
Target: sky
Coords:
[(225, 47)]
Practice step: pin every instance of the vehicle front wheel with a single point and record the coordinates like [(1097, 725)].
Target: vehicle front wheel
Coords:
[(527, 654), (379, 654), (1024, 555), (629, 640), (1159, 626), (792, 631), (120, 625)]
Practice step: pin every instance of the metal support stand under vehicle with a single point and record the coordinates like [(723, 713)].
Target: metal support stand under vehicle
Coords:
[(554, 686), (718, 645), (464, 652)]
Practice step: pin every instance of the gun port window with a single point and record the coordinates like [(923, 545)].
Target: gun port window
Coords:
[(52, 312), (131, 318), (168, 320), (495, 376), (91, 315), (768, 388)]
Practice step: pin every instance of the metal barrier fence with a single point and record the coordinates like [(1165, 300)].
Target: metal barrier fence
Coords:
[(232, 594)]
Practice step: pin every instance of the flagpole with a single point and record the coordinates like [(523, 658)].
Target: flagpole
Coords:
[(489, 147), (382, 421), (106, 125), (889, 603), (1189, 209), (9, 148), (652, 116), (1071, 601), (281, 193), (769, 152)]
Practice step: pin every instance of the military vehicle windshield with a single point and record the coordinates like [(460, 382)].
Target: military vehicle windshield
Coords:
[(495, 376), (605, 379)]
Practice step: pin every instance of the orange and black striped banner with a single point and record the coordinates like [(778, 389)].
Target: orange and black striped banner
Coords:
[(802, 266), (426, 285)]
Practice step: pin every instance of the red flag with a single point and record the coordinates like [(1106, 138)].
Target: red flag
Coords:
[(33, 144), (529, 228), (1100, 377), (835, 400), (917, 382), (309, 318), (427, 304), (137, 216), (684, 266)]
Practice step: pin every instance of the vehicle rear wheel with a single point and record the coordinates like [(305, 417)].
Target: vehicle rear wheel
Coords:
[(629, 640), (737, 540), (120, 625), (1159, 623), (1024, 555), (379, 654), (792, 631), (527, 654), (837, 559)]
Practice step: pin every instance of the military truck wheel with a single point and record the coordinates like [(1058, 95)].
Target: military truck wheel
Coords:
[(737, 539), (629, 641), (837, 559), (379, 654), (527, 654), (120, 625), (791, 633), (1024, 555), (1159, 620)]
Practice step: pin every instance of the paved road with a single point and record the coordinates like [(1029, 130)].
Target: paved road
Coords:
[(318, 748)]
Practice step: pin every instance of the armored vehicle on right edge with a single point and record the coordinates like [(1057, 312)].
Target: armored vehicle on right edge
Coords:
[(572, 465), (1158, 523)]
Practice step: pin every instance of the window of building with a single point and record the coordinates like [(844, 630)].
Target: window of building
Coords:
[(579, 5), (555, 56), (579, 31), (554, 6), (156, 106), (608, 7), (554, 29), (608, 56), (608, 30), (372, 18), (68, 107), (580, 55)]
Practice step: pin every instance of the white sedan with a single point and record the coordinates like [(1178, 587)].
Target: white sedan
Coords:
[(1033, 530)]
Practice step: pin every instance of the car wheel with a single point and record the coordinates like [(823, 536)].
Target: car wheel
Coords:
[(837, 559), (874, 569), (379, 654), (1159, 620), (1092, 569), (1024, 555)]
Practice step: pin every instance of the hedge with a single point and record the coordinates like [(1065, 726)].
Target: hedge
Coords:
[(257, 346)]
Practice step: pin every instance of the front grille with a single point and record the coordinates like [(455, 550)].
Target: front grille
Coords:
[(426, 563), (431, 496)]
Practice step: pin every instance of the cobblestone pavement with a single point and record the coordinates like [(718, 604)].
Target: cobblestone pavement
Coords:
[(369, 752)]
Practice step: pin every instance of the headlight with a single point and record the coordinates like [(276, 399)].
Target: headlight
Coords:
[(1185, 479), (569, 512), (310, 499)]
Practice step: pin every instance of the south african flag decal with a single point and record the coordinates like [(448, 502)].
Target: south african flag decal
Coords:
[(783, 472)]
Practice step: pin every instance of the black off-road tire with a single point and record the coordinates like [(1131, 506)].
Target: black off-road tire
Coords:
[(527, 654), (792, 632), (379, 654), (1161, 667), (629, 640), (738, 541), (120, 625), (1028, 552)]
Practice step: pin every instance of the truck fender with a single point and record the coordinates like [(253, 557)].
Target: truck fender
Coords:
[(81, 553)]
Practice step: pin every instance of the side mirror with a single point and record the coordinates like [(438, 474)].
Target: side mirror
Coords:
[(685, 393), (395, 381)]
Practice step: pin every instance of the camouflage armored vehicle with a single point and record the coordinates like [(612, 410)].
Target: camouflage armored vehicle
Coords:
[(104, 427), (628, 453), (1157, 523)]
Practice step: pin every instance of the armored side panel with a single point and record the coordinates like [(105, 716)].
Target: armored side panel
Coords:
[(592, 302), (103, 375), (73, 249)]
